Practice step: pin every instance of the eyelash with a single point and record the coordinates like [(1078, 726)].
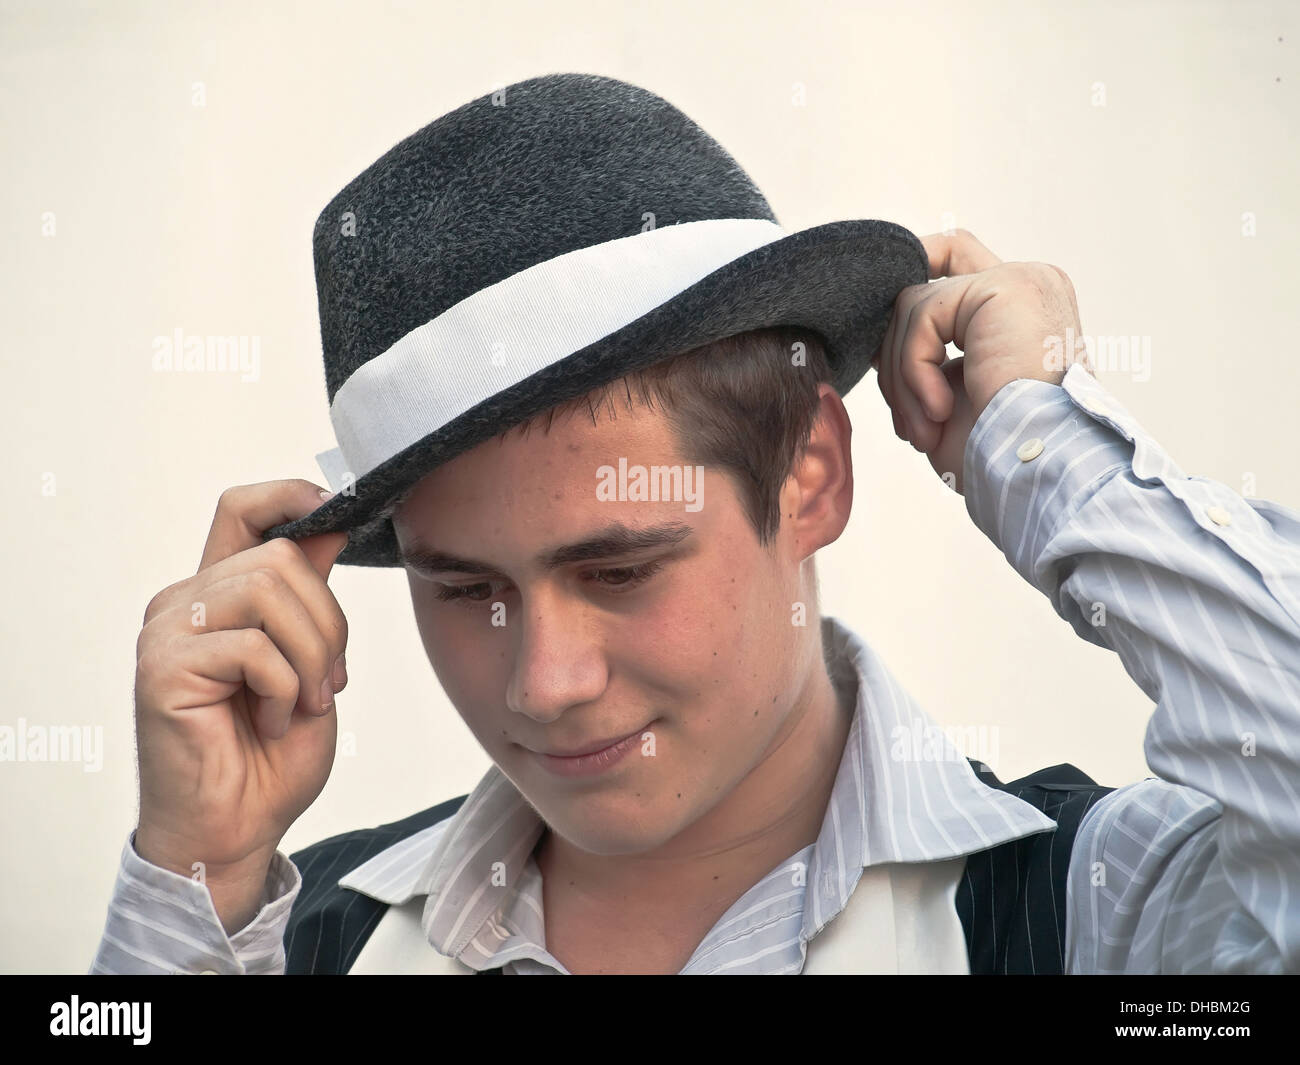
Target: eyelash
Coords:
[(637, 575)]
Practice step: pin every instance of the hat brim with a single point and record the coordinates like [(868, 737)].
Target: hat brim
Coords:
[(839, 280)]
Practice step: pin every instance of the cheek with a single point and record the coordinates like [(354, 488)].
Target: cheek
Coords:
[(721, 651), (461, 645)]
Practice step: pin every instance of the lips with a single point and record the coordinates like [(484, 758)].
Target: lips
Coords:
[(590, 765), (590, 748)]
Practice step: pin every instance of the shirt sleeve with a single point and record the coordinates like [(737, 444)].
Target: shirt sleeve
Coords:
[(162, 922), (1197, 589)]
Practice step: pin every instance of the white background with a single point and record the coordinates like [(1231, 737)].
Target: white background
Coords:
[(978, 115)]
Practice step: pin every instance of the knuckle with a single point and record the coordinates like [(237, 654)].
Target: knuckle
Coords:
[(339, 636), (155, 606), (154, 661), (1048, 276), (1053, 274), (229, 499), (253, 642), (1064, 280), (282, 551), (265, 580), (1050, 285), (147, 662), (1034, 278), (142, 644)]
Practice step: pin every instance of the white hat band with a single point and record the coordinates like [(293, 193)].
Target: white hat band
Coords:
[(506, 332)]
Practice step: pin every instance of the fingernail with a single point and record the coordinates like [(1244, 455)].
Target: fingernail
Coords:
[(340, 674), (326, 694), (326, 496)]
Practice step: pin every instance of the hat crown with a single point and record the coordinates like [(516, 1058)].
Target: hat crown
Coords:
[(505, 182)]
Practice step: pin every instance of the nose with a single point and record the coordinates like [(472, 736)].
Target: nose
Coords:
[(559, 660)]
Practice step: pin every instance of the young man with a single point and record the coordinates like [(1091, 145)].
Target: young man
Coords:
[(693, 772)]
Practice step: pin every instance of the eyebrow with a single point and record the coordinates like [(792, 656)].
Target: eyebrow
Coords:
[(610, 542)]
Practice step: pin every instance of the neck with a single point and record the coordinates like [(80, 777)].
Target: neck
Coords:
[(775, 811)]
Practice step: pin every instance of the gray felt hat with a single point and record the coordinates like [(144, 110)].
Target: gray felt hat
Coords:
[(540, 241)]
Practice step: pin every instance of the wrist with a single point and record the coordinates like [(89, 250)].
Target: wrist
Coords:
[(237, 888)]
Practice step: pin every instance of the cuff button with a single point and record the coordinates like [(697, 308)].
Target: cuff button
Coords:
[(1219, 516), (1029, 450)]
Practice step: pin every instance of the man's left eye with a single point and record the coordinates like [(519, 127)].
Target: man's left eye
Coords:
[(627, 575)]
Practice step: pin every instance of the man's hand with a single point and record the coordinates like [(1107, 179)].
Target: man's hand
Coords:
[(236, 672), (1008, 319)]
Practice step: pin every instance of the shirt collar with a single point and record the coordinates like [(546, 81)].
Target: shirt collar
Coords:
[(902, 793)]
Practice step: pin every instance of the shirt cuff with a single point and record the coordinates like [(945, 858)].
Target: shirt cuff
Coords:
[(162, 921), (1033, 453)]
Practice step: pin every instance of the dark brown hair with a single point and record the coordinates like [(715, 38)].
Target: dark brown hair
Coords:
[(743, 404)]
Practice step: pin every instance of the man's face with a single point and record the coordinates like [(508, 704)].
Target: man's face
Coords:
[(687, 646)]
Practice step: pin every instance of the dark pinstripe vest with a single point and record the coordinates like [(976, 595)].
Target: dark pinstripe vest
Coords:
[(1011, 900)]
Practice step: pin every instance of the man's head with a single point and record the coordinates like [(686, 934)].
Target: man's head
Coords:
[(556, 616)]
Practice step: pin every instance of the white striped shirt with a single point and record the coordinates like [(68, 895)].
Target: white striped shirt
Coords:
[(1196, 871)]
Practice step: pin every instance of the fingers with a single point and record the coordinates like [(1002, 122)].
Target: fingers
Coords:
[(233, 657), (927, 393), (245, 511), (887, 366), (957, 253), (286, 556), (913, 352), (911, 368), (262, 601), (273, 588)]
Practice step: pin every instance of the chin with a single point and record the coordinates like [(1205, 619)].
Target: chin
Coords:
[(607, 823)]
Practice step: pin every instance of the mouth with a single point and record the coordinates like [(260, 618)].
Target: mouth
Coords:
[(595, 757)]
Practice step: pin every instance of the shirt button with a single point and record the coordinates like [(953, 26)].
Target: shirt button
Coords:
[(1029, 450), (209, 972), (1219, 516), (1095, 405)]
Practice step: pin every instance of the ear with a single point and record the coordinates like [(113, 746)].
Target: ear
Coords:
[(818, 495)]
